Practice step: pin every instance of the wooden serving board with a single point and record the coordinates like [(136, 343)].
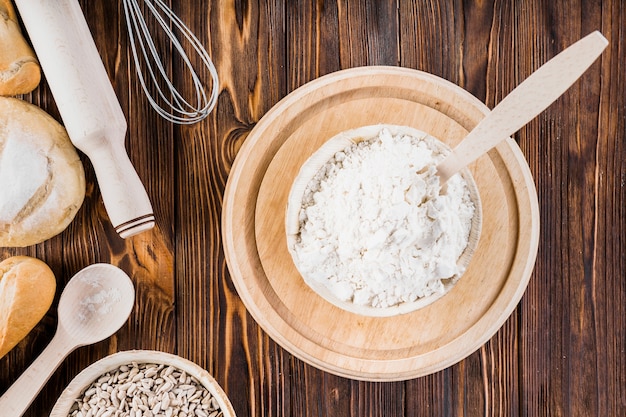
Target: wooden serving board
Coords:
[(335, 340)]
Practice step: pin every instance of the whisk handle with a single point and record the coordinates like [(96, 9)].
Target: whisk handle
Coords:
[(88, 106)]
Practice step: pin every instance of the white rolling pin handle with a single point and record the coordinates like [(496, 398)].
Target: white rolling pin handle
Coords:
[(88, 106), (124, 196)]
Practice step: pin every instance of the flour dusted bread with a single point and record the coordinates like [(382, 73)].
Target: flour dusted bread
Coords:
[(27, 287), (42, 181), (19, 69)]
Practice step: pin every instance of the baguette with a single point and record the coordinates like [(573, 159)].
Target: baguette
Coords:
[(20, 72), (27, 288)]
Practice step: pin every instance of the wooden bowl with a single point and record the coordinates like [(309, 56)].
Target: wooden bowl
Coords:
[(75, 390), (306, 173), (338, 341)]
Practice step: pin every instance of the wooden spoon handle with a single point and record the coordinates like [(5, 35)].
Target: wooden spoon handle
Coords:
[(525, 102), (16, 400)]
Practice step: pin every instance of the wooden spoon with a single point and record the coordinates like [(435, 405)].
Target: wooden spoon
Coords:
[(525, 102), (96, 302)]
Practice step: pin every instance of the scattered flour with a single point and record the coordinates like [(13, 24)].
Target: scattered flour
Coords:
[(374, 227), (99, 304)]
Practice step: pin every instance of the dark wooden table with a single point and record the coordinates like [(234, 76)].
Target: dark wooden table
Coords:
[(561, 353)]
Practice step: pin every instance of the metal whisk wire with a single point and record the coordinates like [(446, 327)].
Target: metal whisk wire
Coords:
[(168, 102)]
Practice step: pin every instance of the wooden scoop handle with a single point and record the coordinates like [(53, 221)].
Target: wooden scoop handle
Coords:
[(525, 102), (88, 105), (16, 400)]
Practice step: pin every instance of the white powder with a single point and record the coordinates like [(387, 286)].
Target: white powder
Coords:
[(24, 169), (99, 304), (374, 227)]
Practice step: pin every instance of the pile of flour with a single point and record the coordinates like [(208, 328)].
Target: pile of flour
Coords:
[(374, 227)]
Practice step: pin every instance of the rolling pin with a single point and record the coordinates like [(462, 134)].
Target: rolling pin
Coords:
[(88, 106)]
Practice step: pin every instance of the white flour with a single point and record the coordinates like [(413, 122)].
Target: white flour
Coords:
[(24, 171), (99, 304), (374, 227)]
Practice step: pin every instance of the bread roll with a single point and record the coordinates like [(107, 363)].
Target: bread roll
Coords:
[(27, 287), (42, 181), (19, 70)]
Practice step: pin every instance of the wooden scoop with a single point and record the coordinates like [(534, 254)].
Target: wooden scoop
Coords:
[(525, 102), (88, 105), (96, 302)]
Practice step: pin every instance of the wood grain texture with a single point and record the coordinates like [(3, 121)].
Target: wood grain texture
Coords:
[(561, 353)]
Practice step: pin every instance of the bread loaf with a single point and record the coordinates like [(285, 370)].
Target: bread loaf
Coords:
[(42, 181), (27, 287), (19, 70)]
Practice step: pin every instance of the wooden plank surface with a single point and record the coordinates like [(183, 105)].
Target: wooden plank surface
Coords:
[(561, 353)]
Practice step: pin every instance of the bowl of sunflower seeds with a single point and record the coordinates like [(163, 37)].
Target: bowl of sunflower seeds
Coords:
[(143, 383)]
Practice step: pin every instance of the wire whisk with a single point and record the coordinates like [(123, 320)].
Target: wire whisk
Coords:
[(168, 102)]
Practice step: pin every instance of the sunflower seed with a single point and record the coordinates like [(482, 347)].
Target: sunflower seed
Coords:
[(146, 390)]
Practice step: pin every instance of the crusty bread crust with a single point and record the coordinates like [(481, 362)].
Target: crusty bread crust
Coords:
[(27, 288), (42, 180), (20, 72)]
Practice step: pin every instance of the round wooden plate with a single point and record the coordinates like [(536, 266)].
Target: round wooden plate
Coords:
[(335, 340)]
